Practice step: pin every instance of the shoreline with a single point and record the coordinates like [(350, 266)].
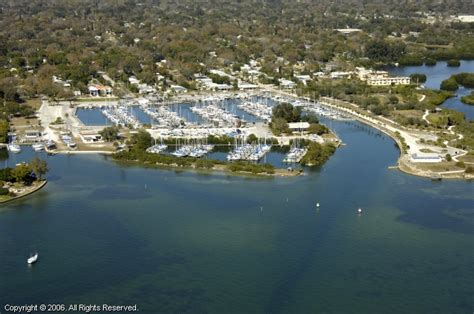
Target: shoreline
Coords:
[(402, 163), (17, 197), (403, 137)]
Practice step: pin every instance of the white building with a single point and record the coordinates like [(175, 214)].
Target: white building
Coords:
[(96, 90), (387, 81), (426, 158), (340, 75), (178, 89), (287, 84), (381, 78), (246, 86), (133, 80), (90, 137), (348, 31), (222, 73), (298, 126), (145, 89)]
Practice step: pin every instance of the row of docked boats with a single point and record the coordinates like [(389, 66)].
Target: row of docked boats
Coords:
[(122, 116), (214, 114), (295, 155), (326, 112), (14, 147), (157, 148), (257, 109), (249, 152), (193, 150), (164, 116)]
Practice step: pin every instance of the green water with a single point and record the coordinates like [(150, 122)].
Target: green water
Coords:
[(182, 242)]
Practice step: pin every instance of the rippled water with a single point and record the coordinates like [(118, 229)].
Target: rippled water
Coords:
[(183, 242)]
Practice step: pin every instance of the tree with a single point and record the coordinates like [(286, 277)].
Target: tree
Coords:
[(380, 50), (287, 112), (110, 133), (21, 172), (418, 78), (3, 131), (39, 167), (252, 138), (449, 85), (316, 128), (453, 63), (141, 140), (279, 125)]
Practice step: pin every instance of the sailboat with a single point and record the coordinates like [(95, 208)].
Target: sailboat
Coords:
[(33, 259)]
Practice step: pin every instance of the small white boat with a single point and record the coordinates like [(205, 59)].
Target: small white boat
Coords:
[(14, 148), (317, 204), (33, 259), (38, 147), (359, 210)]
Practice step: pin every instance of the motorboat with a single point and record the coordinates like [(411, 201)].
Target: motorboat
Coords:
[(14, 147), (38, 147)]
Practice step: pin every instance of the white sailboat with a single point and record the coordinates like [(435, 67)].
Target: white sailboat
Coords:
[(33, 259)]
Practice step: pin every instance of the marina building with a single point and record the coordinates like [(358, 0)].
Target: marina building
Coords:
[(298, 126)]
